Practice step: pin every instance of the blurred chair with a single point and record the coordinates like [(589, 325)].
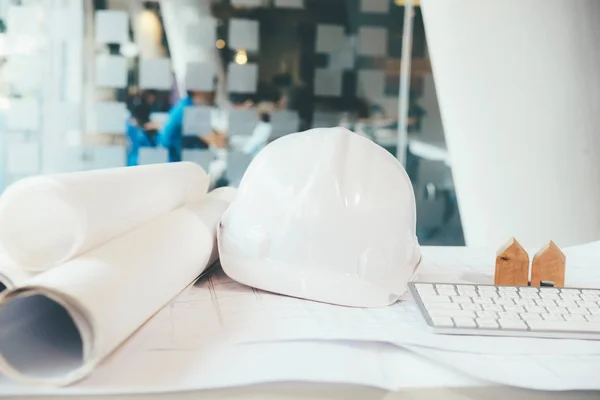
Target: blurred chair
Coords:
[(100, 157), (326, 119), (200, 157), (434, 194), (284, 122), (242, 121), (237, 163)]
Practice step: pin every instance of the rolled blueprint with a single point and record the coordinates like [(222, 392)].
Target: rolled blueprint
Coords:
[(11, 275), (62, 323), (47, 220)]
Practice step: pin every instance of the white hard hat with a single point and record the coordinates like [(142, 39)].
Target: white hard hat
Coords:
[(325, 215)]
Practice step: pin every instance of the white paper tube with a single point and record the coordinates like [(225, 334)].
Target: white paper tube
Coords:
[(66, 320), (47, 220), (519, 94), (11, 275)]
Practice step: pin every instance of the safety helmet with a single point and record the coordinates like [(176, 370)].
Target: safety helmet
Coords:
[(325, 215)]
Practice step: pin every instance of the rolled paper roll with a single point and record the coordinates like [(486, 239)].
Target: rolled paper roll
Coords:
[(48, 220), (65, 321)]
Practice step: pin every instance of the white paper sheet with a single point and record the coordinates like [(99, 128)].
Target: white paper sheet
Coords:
[(186, 336), (137, 370), (48, 220), (155, 74), (289, 3), (328, 82), (249, 315), (111, 71), (74, 325), (203, 33), (200, 76), (540, 372), (330, 38), (244, 34), (375, 6), (372, 41), (23, 115), (242, 78), (112, 26), (371, 84), (108, 117)]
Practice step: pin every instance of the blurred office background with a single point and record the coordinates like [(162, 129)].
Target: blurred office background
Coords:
[(87, 84)]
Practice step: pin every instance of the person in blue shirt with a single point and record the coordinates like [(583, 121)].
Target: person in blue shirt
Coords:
[(171, 135), (141, 130)]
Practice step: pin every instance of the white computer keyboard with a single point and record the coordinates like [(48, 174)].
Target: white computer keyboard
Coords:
[(464, 309)]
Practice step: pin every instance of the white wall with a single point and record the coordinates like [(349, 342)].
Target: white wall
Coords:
[(519, 93)]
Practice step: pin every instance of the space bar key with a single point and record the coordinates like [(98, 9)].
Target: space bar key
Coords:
[(564, 326)]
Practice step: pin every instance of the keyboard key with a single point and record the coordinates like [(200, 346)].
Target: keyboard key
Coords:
[(447, 292), (557, 310), (528, 290), (549, 296), (443, 306), (442, 321), (528, 316), (487, 323), (461, 299), (591, 291), (565, 303), (594, 310), (593, 318), (529, 295), (586, 304), (577, 310), (483, 300), (464, 322), (470, 306), (510, 295), (486, 315), (546, 303), (570, 291), (466, 287), (508, 315), (544, 291), (444, 286), (534, 309), (574, 318), (552, 317), (512, 324), (572, 297), (514, 309), (492, 307), (564, 326), (452, 313), (525, 302), (435, 299), (424, 286), (504, 302)]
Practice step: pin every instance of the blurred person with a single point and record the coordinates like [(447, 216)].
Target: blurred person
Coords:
[(141, 130), (171, 135)]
